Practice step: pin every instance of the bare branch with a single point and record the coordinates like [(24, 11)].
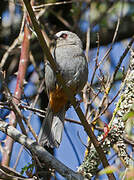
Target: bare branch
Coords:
[(13, 45), (39, 151), (24, 58)]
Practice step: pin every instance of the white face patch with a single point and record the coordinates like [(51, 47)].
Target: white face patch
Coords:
[(68, 38), (59, 33)]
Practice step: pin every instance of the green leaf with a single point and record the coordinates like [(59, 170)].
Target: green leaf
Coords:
[(128, 115), (108, 170), (26, 168)]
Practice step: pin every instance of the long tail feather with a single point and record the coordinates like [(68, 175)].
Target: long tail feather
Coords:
[(52, 128)]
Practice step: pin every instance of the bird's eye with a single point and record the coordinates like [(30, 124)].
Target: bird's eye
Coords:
[(64, 35)]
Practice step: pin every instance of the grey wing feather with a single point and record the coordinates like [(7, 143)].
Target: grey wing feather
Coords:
[(50, 78)]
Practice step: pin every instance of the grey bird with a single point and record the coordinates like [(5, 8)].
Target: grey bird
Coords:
[(70, 59)]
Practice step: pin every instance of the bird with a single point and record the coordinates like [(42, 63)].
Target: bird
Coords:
[(72, 64)]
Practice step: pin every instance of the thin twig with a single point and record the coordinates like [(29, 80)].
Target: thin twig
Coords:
[(10, 171), (39, 112), (10, 99), (115, 72), (96, 60), (73, 121), (121, 59), (28, 120), (60, 18), (13, 45), (113, 40), (106, 107), (17, 111), (87, 43), (55, 4)]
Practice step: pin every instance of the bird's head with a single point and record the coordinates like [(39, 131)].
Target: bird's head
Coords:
[(64, 38)]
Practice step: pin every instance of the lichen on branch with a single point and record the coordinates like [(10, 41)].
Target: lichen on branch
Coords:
[(117, 133)]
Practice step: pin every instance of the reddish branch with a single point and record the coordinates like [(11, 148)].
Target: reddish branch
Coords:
[(18, 91)]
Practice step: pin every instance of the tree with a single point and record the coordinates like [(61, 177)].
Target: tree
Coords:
[(97, 23)]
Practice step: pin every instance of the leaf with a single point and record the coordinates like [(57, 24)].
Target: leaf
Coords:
[(128, 115), (27, 168), (108, 170)]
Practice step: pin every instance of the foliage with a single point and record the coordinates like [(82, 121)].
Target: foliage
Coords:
[(28, 169)]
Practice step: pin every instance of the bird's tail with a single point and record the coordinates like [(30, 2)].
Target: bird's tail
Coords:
[(52, 128)]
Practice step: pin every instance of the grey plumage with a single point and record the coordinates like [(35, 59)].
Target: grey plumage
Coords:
[(52, 128), (73, 67)]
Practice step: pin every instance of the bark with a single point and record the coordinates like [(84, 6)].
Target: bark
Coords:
[(39, 152), (117, 127)]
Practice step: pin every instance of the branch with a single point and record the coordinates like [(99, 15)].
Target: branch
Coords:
[(106, 34), (66, 89), (113, 78), (13, 45), (9, 173), (28, 120), (18, 91), (117, 127), (123, 107), (39, 151)]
